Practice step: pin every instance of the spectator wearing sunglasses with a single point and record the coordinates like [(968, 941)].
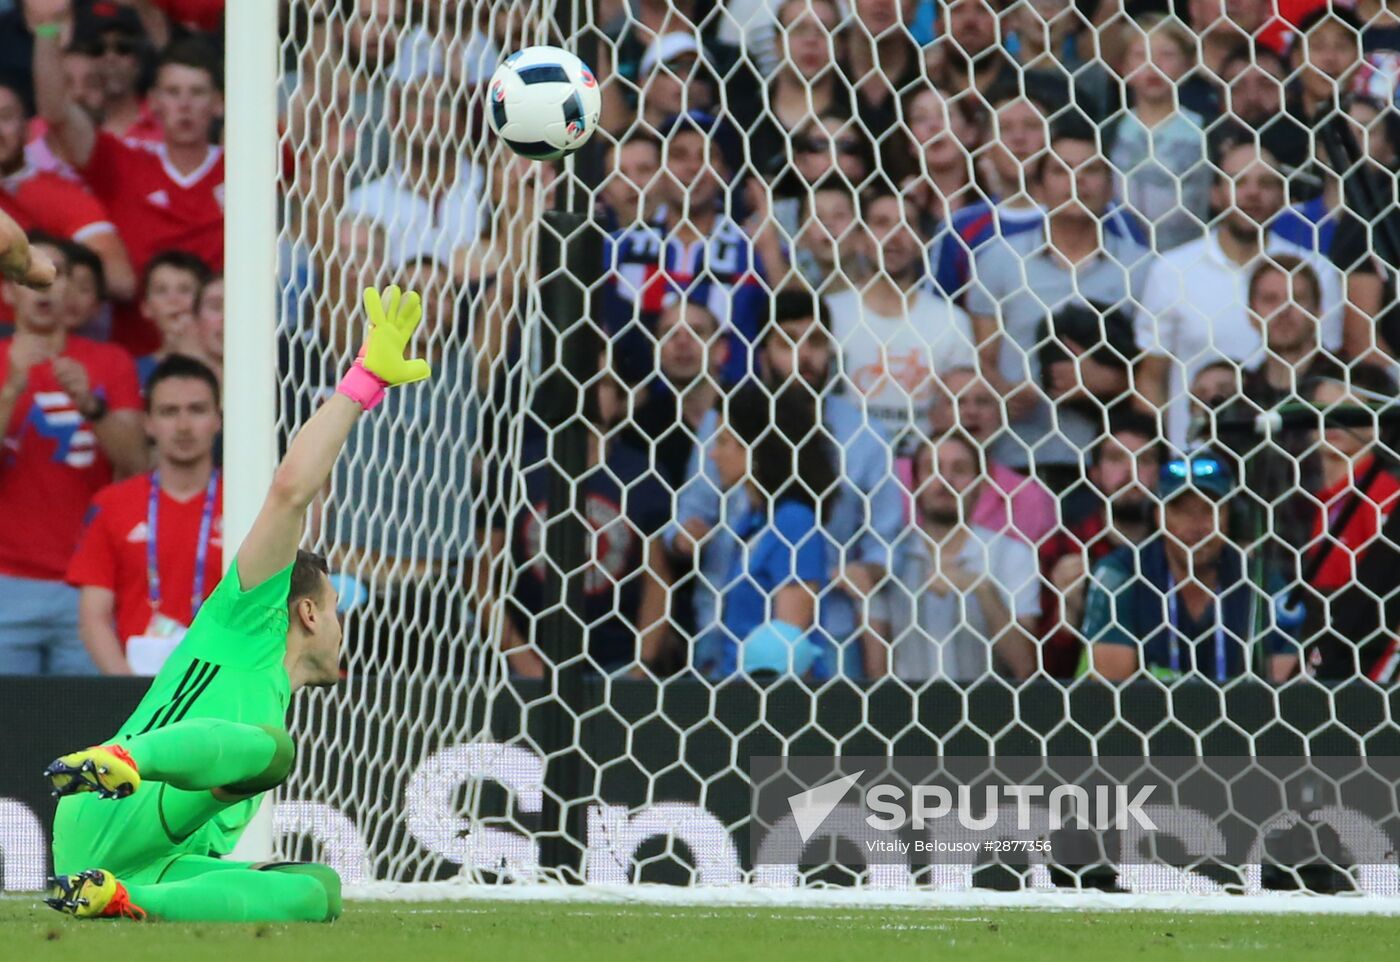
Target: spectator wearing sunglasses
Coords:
[(829, 143), (1184, 603), (114, 35)]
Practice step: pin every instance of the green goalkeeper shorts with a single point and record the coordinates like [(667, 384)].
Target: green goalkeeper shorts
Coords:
[(135, 838)]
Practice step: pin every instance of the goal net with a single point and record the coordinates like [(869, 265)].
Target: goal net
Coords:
[(913, 381)]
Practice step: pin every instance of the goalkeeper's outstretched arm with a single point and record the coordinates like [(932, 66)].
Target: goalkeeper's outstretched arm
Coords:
[(272, 542)]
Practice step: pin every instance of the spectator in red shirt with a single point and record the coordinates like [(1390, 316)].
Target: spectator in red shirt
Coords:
[(172, 284), (71, 415), (52, 204), (161, 196), (1351, 591), (173, 514)]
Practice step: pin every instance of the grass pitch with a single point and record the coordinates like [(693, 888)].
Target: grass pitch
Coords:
[(520, 932)]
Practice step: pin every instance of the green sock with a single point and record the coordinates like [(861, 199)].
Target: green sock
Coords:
[(204, 753), (273, 895)]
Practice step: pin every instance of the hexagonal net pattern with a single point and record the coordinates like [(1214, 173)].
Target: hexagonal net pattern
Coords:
[(951, 377)]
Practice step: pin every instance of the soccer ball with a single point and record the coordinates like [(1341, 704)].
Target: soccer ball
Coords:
[(544, 102)]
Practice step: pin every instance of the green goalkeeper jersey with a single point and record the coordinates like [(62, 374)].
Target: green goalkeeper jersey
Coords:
[(229, 666)]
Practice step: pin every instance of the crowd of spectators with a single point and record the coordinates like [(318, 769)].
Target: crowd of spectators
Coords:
[(931, 335), (110, 376)]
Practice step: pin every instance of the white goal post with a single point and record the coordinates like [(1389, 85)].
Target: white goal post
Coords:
[(250, 225)]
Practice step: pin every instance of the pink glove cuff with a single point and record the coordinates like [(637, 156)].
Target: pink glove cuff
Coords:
[(362, 386)]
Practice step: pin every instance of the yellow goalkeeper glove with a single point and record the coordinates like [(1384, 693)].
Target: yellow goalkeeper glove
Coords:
[(393, 317), (392, 320)]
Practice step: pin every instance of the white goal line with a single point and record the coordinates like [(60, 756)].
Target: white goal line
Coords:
[(750, 896)]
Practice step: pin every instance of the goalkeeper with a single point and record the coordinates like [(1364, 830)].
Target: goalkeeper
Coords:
[(146, 817)]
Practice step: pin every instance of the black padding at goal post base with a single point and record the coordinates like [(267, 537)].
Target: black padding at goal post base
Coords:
[(681, 742), (571, 358)]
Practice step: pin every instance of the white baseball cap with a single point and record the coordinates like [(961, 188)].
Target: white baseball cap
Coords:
[(668, 47)]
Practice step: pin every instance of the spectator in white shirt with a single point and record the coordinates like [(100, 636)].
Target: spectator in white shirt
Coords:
[(429, 198), (1194, 308), (965, 598), (468, 57), (893, 332)]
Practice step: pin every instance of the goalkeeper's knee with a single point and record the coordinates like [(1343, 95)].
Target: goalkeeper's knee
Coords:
[(284, 755)]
